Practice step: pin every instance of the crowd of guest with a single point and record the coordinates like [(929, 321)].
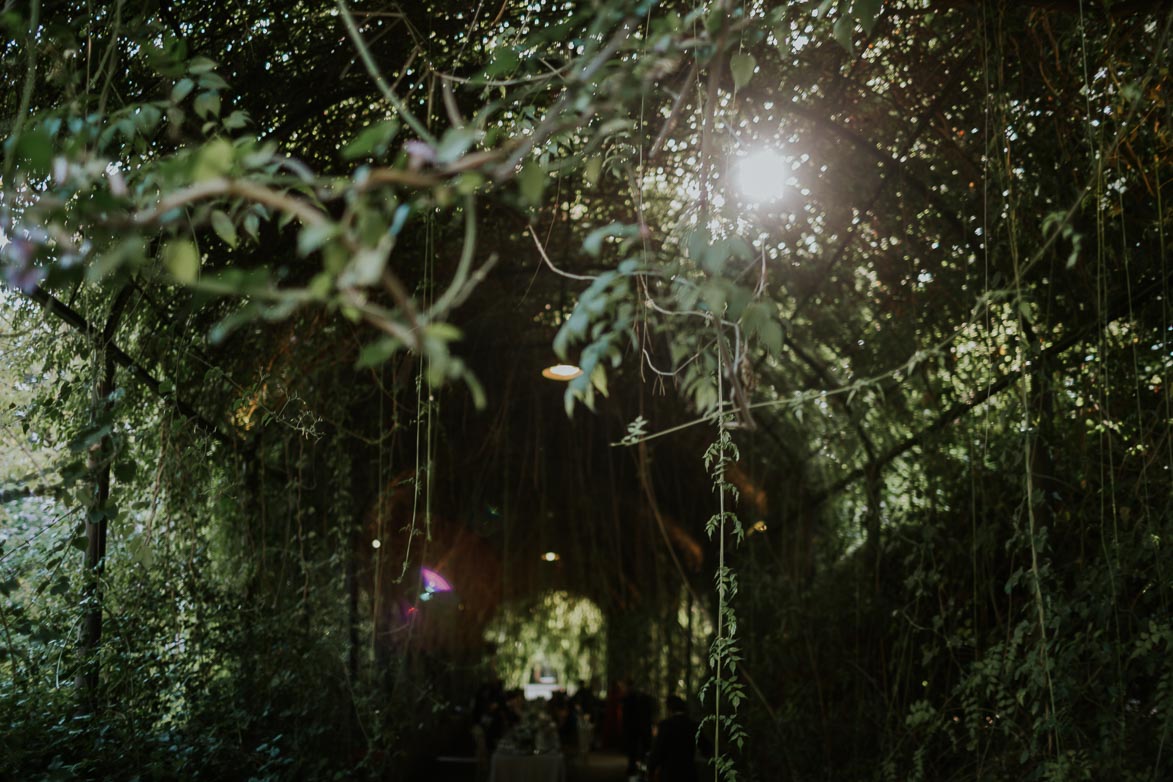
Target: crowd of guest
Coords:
[(495, 710), (584, 722)]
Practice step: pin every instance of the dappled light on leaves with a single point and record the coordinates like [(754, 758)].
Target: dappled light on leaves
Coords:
[(860, 439), (557, 631)]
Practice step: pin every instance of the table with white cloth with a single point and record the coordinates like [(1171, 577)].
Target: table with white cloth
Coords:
[(509, 767)]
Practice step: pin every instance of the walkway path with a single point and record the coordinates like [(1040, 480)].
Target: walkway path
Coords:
[(600, 767)]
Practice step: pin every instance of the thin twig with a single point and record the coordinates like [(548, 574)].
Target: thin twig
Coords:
[(26, 94), (373, 69), (464, 267), (397, 176), (309, 215), (109, 60), (382, 319), (553, 268), (552, 118), (220, 186), (663, 373), (474, 281), (673, 114), (531, 79)]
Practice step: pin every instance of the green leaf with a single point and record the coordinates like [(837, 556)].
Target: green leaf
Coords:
[(504, 62), (705, 396), (334, 259), (771, 335), (476, 389), (212, 81), (532, 182), (399, 219), (207, 104), (697, 243), (438, 361), (455, 143), (592, 171), (222, 225), (181, 90), (236, 120), (715, 20), (842, 30), (469, 182), (214, 159), (129, 252), (736, 247), (593, 243), (365, 268), (715, 257), (742, 67), (252, 224), (739, 298), (445, 332), (89, 437), (577, 323), (125, 471), (866, 12), (562, 342), (312, 237), (713, 295), (200, 65), (140, 550), (182, 260), (34, 151), (320, 285), (599, 379), (377, 352), (372, 140), (146, 118), (227, 325)]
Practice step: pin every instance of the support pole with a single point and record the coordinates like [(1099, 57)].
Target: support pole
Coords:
[(98, 466)]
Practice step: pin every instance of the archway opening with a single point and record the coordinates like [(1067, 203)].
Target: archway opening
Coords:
[(555, 640)]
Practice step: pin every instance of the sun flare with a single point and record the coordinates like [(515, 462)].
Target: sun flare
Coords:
[(764, 176)]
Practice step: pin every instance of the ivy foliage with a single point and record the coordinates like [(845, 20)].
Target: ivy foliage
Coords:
[(909, 259)]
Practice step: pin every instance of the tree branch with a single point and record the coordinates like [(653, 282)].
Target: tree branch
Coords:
[(74, 319), (1121, 308)]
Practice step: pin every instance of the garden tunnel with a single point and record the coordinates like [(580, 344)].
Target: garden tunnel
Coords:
[(872, 441), (524, 502)]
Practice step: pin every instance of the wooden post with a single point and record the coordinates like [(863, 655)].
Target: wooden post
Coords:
[(98, 466), (688, 648)]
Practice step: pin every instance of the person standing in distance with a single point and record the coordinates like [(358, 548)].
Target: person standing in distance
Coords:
[(673, 755)]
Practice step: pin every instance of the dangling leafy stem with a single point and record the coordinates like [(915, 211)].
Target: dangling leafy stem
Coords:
[(724, 653)]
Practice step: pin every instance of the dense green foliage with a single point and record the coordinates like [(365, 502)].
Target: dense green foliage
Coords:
[(279, 278), (556, 629)]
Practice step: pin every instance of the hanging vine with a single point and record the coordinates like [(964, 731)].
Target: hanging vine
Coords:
[(723, 687), (980, 343)]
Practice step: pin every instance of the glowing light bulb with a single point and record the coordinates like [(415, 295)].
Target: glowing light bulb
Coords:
[(561, 372)]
